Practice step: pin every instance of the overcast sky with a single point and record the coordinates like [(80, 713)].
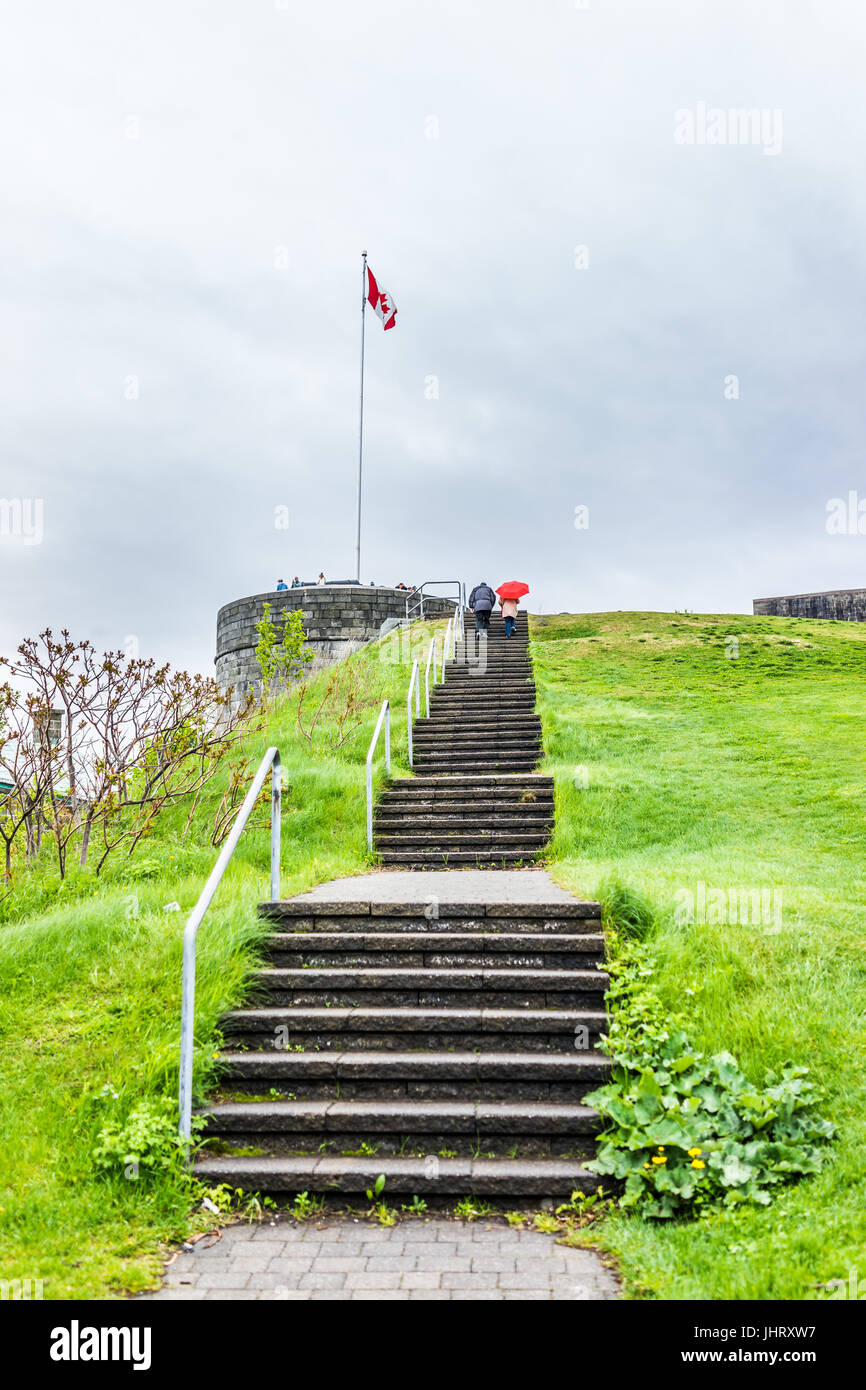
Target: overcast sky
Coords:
[(187, 188)]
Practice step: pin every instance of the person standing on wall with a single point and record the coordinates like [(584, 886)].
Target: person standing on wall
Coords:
[(481, 602)]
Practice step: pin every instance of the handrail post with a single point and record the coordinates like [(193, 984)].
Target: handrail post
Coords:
[(276, 825), (384, 714), (413, 681), (430, 657), (271, 760)]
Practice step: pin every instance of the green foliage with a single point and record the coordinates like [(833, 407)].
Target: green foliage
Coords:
[(306, 1206), (90, 972), (281, 653), (687, 1131), (144, 1143), (626, 911)]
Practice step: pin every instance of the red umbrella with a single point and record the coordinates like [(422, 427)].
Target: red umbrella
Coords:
[(513, 588)]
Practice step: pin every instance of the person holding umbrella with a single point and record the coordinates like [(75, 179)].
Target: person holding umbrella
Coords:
[(510, 595)]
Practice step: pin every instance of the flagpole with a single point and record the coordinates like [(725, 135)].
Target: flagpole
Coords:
[(361, 424)]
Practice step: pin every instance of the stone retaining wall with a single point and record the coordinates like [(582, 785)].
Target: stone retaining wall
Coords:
[(338, 619), (849, 605)]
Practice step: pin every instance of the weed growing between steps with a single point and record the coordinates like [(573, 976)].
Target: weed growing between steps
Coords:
[(686, 1132), (687, 762)]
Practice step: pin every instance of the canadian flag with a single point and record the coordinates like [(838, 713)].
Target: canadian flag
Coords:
[(381, 301)]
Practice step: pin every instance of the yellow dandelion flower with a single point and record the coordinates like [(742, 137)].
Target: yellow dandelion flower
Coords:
[(693, 1153), (698, 1163), (660, 1159)]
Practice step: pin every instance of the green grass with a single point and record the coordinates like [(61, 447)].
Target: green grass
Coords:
[(90, 996), (677, 764)]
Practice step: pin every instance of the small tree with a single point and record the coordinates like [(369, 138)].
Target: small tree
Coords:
[(281, 655)]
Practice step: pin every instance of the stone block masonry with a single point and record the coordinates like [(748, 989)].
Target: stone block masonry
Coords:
[(846, 605), (338, 619)]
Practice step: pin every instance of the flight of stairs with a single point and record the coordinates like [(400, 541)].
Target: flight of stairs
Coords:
[(449, 1052), (474, 799), (446, 1044)]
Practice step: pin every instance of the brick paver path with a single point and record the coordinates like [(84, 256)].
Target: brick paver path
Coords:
[(346, 1259)]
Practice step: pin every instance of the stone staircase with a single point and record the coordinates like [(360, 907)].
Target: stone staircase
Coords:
[(475, 799), (450, 1052), (446, 1039)]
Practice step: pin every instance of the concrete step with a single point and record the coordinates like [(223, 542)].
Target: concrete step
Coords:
[(472, 809), (375, 915), (424, 919), (430, 1075), (465, 839), (537, 781), (281, 1029), (511, 950), (304, 1124), (456, 766), (494, 1178), (458, 859), (465, 987), (465, 820)]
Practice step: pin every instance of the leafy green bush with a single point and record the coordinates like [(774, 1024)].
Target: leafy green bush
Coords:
[(689, 1131), (147, 1141)]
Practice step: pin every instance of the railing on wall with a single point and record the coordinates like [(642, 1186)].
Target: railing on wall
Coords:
[(271, 761), (415, 601)]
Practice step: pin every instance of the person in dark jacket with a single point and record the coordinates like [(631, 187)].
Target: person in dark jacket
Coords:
[(481, 602)]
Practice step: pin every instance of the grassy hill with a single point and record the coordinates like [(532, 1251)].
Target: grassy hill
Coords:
[(677, 763), (90, 974), (727, 751)]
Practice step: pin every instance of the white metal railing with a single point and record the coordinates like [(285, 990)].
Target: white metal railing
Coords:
[(271, 760), (416, 608), (384, 714), (414, 684), (431, 657)]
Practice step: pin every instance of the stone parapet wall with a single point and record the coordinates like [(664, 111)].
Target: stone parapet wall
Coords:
[(847, 605), (338, 619)]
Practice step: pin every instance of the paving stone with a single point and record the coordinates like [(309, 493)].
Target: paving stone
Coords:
[(266, 1249), (453, 1264), (228, 1280), (420, 1279), (381, 1279), (231, 1295), (321, 1281), (523, 1280), (346, 1264), (400, 1263), (470, 1281), (295, 1265), (377, 1295)]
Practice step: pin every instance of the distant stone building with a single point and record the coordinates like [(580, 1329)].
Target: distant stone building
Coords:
[(847, 605), (338, 619)]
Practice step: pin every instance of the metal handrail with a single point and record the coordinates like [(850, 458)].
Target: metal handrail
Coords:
[(187, 1009), (447, 641), (418, 593), (384, 713), (414, 684), (431, 656)]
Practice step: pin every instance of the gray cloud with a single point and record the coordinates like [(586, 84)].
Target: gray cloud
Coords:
[(187, 190)]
